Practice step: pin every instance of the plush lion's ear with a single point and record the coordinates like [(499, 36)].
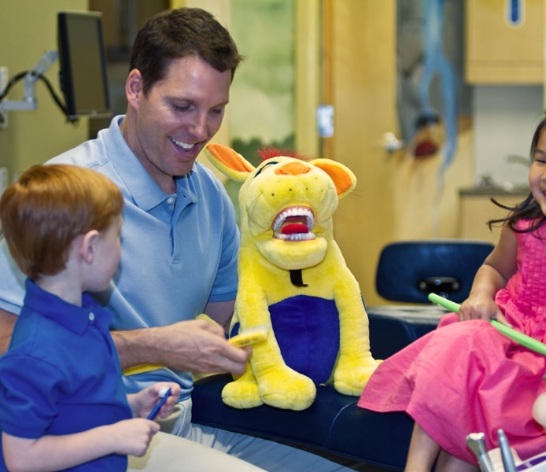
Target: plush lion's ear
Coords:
[(229, 162), (342, 176)]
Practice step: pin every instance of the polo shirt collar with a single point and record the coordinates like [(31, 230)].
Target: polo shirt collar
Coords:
[(72, 317), (143, 189)]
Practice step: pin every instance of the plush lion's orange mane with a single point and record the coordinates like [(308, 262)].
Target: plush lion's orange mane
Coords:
[(270, 152)]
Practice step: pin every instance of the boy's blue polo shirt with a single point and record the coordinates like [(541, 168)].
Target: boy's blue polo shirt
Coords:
[(179, 251), (61, 374)]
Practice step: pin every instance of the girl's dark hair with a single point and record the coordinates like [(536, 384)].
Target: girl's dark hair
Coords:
[(528, 209), (178, 33)]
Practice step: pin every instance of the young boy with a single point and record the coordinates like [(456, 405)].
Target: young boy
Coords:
[(62, 400)]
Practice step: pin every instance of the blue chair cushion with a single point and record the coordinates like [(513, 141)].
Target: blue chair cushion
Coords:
[(408, 271), (333, 424)]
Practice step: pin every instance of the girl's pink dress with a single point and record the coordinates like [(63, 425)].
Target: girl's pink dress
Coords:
[(467, 377)]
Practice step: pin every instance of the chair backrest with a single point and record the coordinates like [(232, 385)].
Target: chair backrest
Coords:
[(408, 271)]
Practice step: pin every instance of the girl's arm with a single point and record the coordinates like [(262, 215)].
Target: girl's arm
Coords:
[(61, 452), (493, 275)]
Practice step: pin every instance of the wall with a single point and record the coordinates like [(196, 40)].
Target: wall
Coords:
[(398, 196), (27, 30), (505, 117)]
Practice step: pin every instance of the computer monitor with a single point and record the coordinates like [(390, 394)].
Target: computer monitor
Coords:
[(82, 58)]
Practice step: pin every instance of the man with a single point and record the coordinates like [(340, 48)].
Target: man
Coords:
[(180, 239)]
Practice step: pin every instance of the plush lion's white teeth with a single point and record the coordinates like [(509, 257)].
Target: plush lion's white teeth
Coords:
[(292, 212), (302, 216)]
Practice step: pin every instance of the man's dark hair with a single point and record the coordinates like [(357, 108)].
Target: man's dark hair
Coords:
[(179, 33)]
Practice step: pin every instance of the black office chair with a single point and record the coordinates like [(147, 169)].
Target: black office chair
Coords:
[(407, 272)]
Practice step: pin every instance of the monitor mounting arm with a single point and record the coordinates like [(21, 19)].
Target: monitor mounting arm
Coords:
[(29, 101)]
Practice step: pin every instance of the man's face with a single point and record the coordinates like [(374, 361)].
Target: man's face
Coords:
[(169, 127)]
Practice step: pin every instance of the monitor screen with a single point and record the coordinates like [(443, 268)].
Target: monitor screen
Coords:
[(82, 58)]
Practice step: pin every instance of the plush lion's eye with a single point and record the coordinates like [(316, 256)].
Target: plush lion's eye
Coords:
[(268, 163)]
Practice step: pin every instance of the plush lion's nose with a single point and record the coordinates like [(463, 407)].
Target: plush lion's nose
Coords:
[(293, 168)]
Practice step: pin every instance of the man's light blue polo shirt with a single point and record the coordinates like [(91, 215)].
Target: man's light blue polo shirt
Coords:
[(179, 250), (61, 374)]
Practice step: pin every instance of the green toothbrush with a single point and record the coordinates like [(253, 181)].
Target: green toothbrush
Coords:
[(523, 339)]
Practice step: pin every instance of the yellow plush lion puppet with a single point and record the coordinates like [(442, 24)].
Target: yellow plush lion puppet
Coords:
[(293, 278)]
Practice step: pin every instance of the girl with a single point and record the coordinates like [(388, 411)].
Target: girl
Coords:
[(468, 377)]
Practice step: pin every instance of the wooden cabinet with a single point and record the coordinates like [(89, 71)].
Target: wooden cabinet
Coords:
[(498, 53), (477, 209)]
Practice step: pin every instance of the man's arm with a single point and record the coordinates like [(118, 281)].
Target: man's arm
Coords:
[(7, 322), (196, 346), (221, 312)]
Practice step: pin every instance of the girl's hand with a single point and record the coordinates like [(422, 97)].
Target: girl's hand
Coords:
[(479, 308), (143, 402)]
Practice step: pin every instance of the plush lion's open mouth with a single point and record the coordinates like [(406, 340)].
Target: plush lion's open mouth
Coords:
[(294, 224)]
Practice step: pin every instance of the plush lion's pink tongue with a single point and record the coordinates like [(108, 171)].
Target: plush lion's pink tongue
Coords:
[(293, 225)]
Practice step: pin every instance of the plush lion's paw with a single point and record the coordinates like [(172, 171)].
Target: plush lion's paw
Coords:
[(351, 376), (241, 394), (287, 389)]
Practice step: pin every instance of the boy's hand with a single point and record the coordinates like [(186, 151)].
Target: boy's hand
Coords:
[(133, 436), (144, 401)]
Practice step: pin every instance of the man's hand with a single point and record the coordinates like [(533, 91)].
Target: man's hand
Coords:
[(196, 346)]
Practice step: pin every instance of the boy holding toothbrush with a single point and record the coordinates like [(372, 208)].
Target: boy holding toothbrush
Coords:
[(62, 400)]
